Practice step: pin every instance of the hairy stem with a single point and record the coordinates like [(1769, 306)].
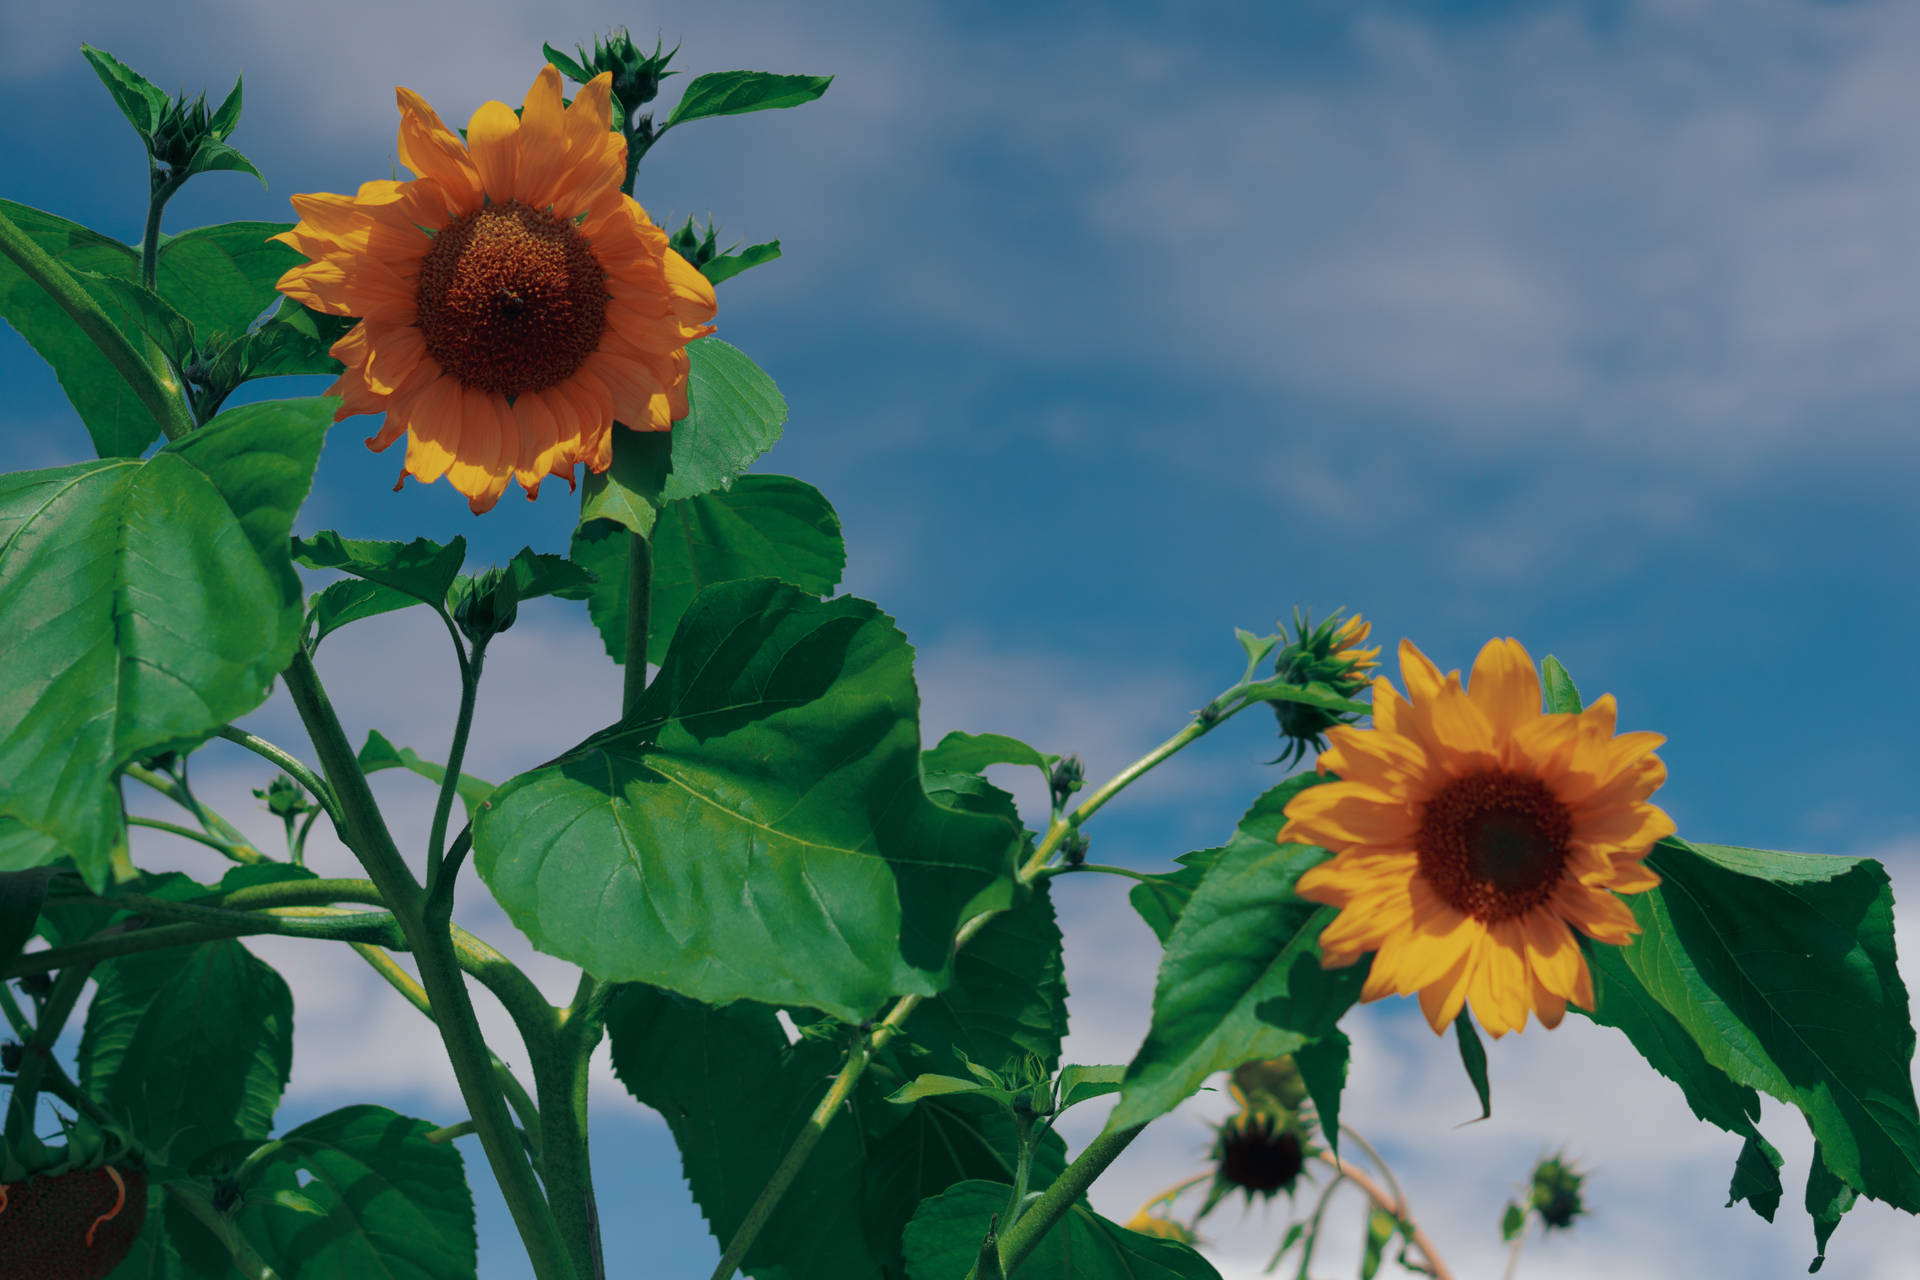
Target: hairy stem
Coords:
[(1020, 1239), (565, 1167), (450, 784)]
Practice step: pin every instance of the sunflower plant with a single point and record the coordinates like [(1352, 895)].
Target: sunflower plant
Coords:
[(823, 950)]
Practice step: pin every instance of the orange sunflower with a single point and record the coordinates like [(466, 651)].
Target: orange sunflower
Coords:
[(514, 303), (1472, 833)]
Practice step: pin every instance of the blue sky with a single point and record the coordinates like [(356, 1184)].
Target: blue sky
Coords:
[(1110, 328)]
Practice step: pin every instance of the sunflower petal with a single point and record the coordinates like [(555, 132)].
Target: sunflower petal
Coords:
[(492, 136), (431, 150), (1505, 686)]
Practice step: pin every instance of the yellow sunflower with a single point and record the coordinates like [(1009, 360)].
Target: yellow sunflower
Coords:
[(1472, 833), (514, 303)]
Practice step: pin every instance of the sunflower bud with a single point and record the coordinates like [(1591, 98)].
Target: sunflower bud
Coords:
[(284, 797), (636, 75), (689, 243), (1555, 1195), (182, 126), (1328, 656), (1258, 1153), (1067, 777), (486, 604)]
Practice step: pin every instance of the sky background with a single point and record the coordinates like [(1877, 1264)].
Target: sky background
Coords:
[(1109, 328)]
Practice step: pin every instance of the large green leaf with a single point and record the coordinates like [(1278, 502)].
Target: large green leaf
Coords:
[(423, 569), (728, 93), (764, 526), (734, 1092), (1781, 967), (1241, 977), (222, 277), (943, 1240), (757, 828), (734, 415), (383, 1201), (140, 100), (190, 1047), (1008, 998), (120, 425), (153, 602)]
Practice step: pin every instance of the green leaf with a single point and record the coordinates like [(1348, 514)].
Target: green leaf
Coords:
[(568, 67), (154, 1255), (350, 600), (1008, 998), (757, 828), (932, 1086), (142, 310), (1756, 1177), (422, 568), (21, 893), (729, 265), (730, 93), (1512, 1222), (1161, 899), (944, 1238), (735, 414), (1077, 1084), (1558, 685), (191, 1047), (764, 526), (140, 100), (119, 424), (211, 155), (1381, 1227), (378, 753), (1781, 967), (1241, 977), (1323, 1069), (294, 340), (392, 1204), (157, 603), (222, 277), (1828, 1199), (973, 752), (228, 114), (1473, 1056)]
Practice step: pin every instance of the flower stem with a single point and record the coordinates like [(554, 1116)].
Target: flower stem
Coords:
[(565, 1167), (59, 1004), (639, 606), (450, 784), (365, 832), (194, 1198), (236, 853), (159, 392), (1394, 1205), (180, 792), (292, 765), (376, 927), (1020, 1239)]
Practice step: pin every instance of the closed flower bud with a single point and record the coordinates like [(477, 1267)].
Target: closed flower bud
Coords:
[(1328, 656), (1555, 1194), (1258, 1153)]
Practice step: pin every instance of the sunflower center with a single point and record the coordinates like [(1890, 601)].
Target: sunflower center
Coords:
[(1493, 844), (511, 298)]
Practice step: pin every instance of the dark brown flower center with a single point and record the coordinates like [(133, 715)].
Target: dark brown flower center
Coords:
[(1493, 844), (511, 298)]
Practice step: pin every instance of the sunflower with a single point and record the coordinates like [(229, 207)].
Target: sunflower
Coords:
[(514, 303), (1472, 833)]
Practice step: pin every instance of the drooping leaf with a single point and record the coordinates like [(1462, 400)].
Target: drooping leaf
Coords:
[(294, 340), (384, 1201), (1756, 1177), (379, 753), (351, 600), (729, 265), (211, 155), (1781, 968), (757, 828), (1241, 977), (118, 422), (735, 414), (727, 93), (423, 569), (190, 1047), (155, 602), (1078, 1084), (944, 1238), (1473, 1056), (1828, 1199), (1323, 1069), (222, 277), (764, 526), (974, 752)]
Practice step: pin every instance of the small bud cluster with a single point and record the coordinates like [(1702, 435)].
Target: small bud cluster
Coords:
[(1327, 657), (285, 798)]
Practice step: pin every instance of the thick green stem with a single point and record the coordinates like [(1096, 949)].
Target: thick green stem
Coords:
[(161, 192), (1020, 1239), (291, 764), (39, 1053), (158, 391), (565, 1167), (639, 604), (194, 1198), (366, 834), (377, 927), (456, 755)]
